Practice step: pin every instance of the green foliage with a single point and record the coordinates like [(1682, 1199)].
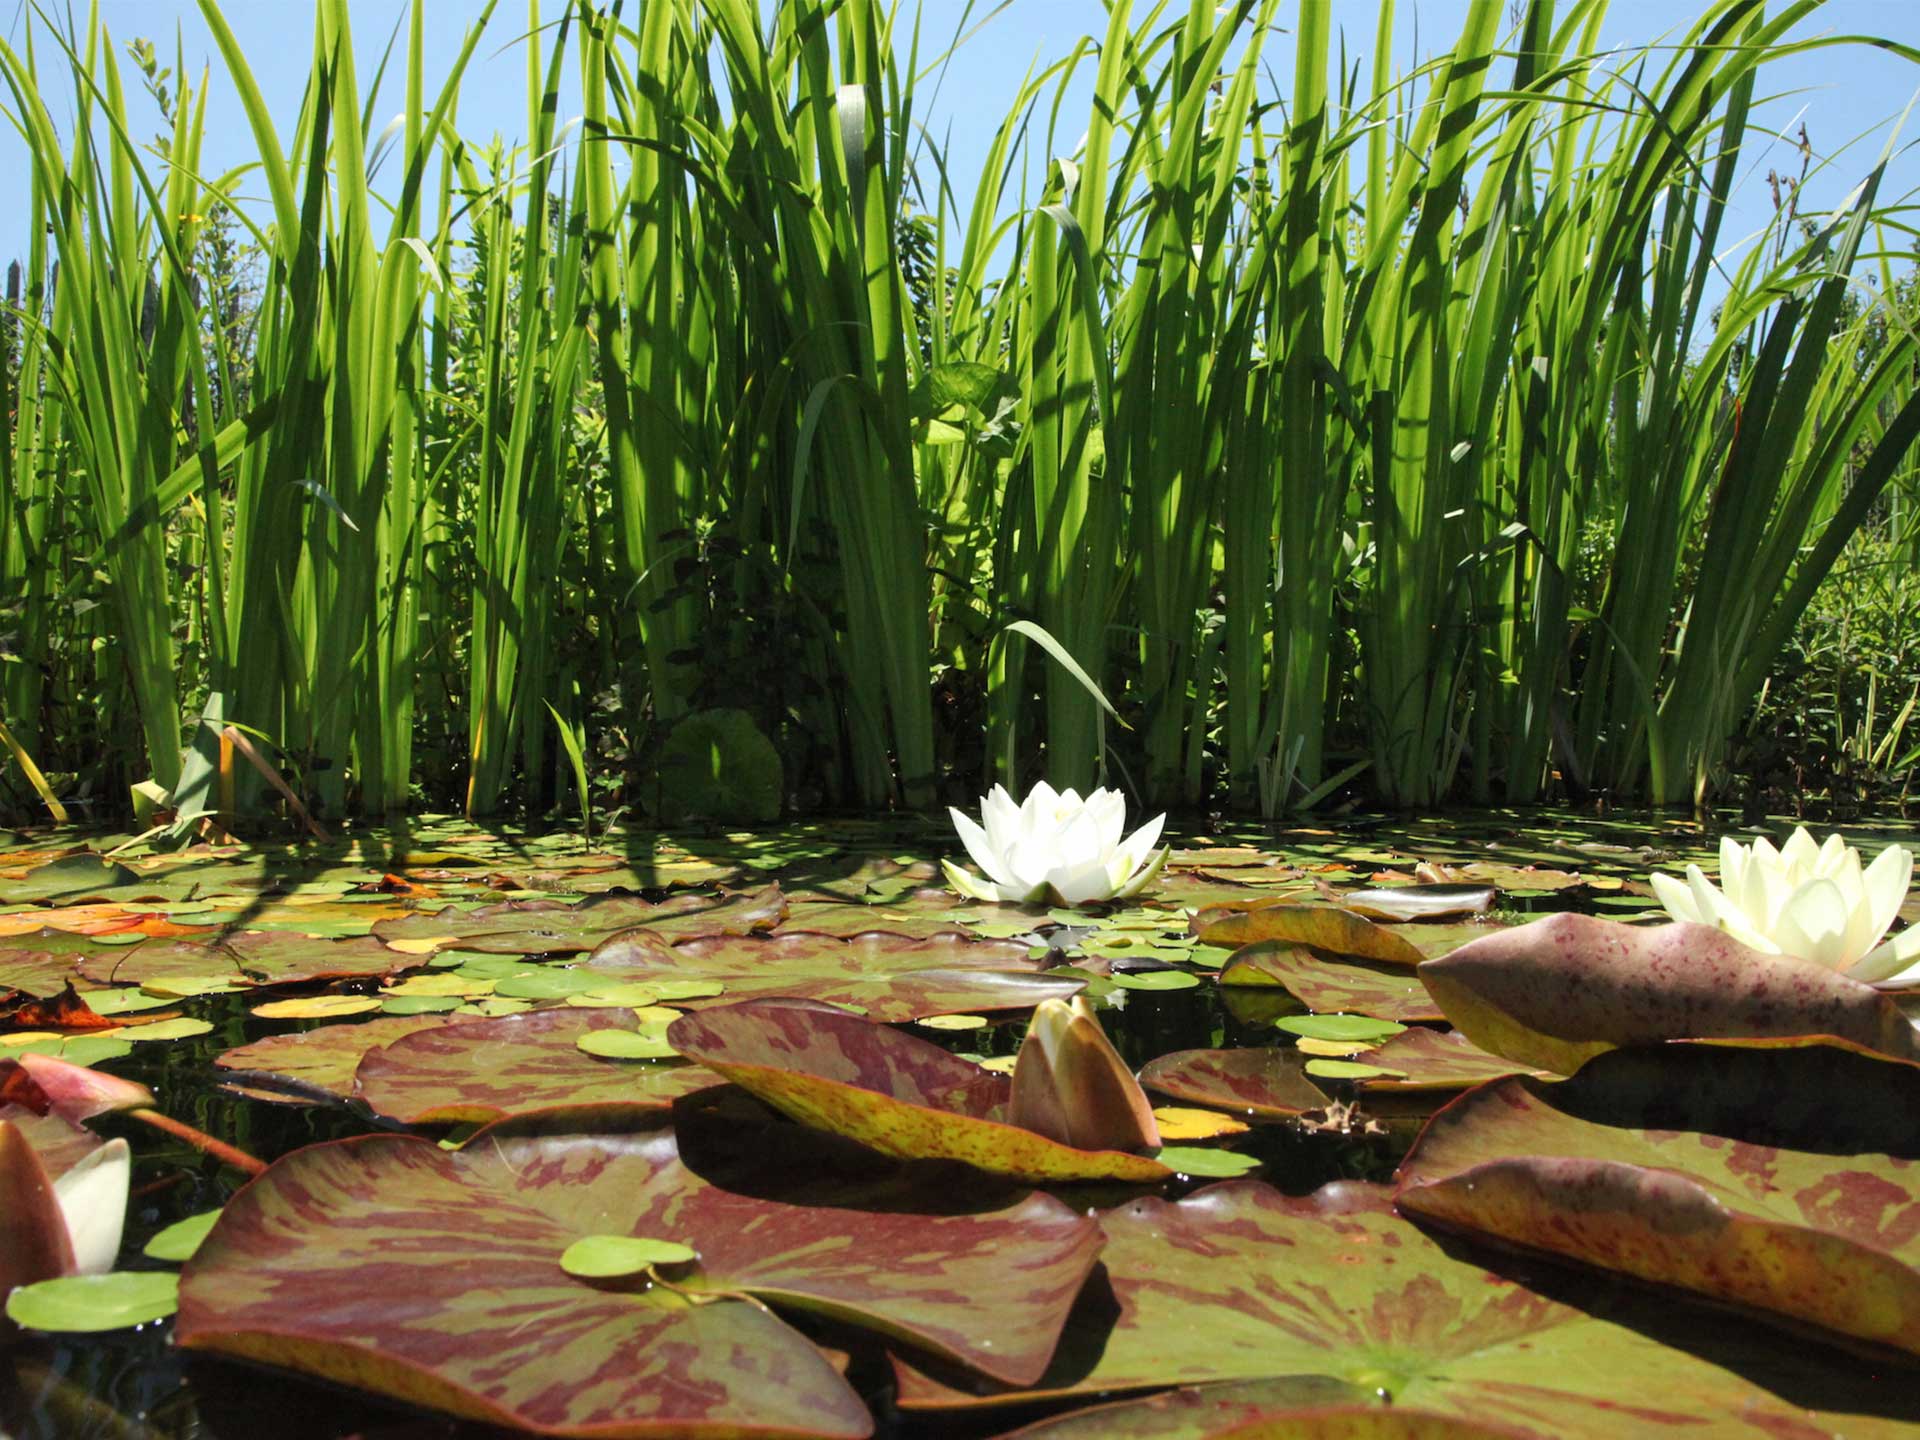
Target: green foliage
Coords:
[(716, 765)]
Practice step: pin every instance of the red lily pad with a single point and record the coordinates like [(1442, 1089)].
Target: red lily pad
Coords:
[(894, 978), (1240, 1282), (886, 1089), (1330, 985), (320, 1061), (434, 1277), (1267, 1082), (1554, 993), (483, 1070), (1427, 1059), (549, 927), (909, 915), (1298, 1407), (1672, 1165)]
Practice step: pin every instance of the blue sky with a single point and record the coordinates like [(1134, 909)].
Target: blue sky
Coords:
[(1847, 97)]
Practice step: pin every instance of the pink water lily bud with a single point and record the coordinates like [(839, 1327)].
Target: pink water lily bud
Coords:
[(1055, 846), (1070, 1084), (66, 1225)]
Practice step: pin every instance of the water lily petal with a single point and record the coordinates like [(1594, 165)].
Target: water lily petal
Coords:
[(966, 884), (1678, 898), (1083, 885), (1109, 811), (93, 1199), (1885, 886), (1895, 965), (1140, 844), (981, 849), (1000, 814), (1146, 877), (1813, 924)]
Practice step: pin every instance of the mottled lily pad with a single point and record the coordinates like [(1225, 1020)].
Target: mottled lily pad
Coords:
[(301, 1270), (894, 978), (1325, 983), (1556, 992), (313, 1063), (886, 1089), (1322, 927), (1267, 1082), (1239, 1282), (480, 1070), (1425, 1059), (545, 927), (1672, 1165)]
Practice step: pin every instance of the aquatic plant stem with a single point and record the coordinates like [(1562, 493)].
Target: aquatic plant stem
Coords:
[(200, 1140)]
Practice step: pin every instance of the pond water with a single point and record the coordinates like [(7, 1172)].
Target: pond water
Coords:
[(154, 920)]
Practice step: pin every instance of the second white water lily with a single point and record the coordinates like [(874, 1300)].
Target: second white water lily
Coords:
[(1811, 900), (1056, 846)]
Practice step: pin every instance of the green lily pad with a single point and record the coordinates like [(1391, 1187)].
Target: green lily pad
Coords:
[(89, 1304), (1204, 1162), (1326, 1068), (179, 1240), (604, 1257), (1339, 1027), (73, 878), (886, 1089), (627, 1045), (302, 1269), (182, 1029), (1154, 979)]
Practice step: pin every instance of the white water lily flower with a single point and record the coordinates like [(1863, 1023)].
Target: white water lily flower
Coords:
[(93, 1202), (1056, 846), (1811, 901)]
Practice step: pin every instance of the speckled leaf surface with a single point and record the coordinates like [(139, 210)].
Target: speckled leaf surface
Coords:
[(1428, 1059), (1265, 1081), (1293, 1407), (304, 1266), (1240, 1282), (888, 1090), (893, 978), (1326, 984), (321, 1059), (482, 1070), (545, 927), (1323, 927), (1555, 992), (1669, 1165)]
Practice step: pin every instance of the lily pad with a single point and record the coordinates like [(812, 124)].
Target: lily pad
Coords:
[(602, 1257), (1556, 992), (302, 1269), (1204, 1162), (1239, 1282), (545, 927), (89, 1304), (888, 1090), (1673, 1165), (480, 1070), (73, 878), (179, 1240), (627, 1045), (1267, 1082), (894, 978), (1426, 1059), (314, 1063), (1322, 927), (1339, 1027)]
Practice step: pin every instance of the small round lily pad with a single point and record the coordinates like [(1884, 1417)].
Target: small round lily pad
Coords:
[(93, 1303), (686, 989), (1339, 1027), (615, 997), (179, 1240), (1154, 979), (124, 1001), (549, 985), (627, 1045), (316, 1007), (419, 1004), (601, 1257), (180, 987), (1348, 1070), (181, 1029), (1201, 1160)]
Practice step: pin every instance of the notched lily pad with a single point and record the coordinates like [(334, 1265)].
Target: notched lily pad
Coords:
[(891, 1091), (301, 1270), (1267, 1082), (1323, 927)]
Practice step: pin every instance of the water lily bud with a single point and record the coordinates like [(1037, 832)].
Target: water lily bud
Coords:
[(1812, 901), (1070, 1085), (1055, 846)]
